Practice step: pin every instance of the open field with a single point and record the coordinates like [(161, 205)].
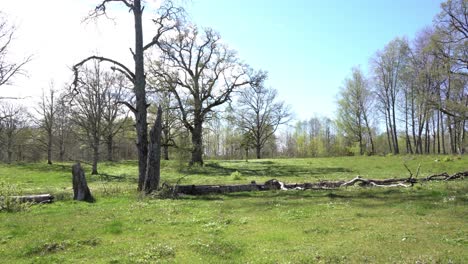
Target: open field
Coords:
[(424, 224)]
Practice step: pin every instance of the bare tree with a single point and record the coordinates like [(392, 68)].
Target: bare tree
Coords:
[(47, 110), (113, 117), (13, 119), (202, 73), (259, 114), (91, 107), (63, 126), (387, 67), (8, 69), (165, 22)]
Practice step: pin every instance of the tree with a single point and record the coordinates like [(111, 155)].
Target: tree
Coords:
[(47, 110), (63, 126), (259, 114), (201, 73), (8, 69), (114, 118), (137, 77), (13, 119), (89, 108), (450, 44), (387, 67), (354, 107)]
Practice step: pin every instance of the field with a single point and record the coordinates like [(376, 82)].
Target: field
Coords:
[(424, 224)]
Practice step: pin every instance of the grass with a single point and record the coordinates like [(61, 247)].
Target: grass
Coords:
[(423, 224)]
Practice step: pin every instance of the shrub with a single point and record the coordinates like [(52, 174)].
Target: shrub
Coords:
[(7, 201), (236, 176)]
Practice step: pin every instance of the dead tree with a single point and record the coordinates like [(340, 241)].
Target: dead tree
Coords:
[(152, 176), (81, 190), (168, 15)]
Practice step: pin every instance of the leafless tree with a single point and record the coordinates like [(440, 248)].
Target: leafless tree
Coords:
[(13, 119), (63, 129), (114, 118), (201, 72), (47, 110), (89, 107), (8, 68), (169, 14), (387, 67), (259, 114)]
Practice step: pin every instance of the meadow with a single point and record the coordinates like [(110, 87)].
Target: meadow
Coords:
[(423, 224)]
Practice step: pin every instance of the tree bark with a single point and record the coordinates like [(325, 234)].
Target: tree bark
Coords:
[(197, 144), (166, 152), (81, 191), (152, 176), (94, 170), (110, 148), (49, 147), (140, 96)]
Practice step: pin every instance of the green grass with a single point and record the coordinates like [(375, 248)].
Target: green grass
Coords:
[(423, 224)]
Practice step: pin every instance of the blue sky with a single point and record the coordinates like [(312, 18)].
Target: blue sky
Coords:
[(309, 47)]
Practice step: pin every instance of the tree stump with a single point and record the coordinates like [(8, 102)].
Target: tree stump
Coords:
[(81, 191)]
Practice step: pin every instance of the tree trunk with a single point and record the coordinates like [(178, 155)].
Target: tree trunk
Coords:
[(81, 191), (166, 152), (95, 156), (140, 96), (361, 150), (396, 148), (197, 144), (442, 133), (388, 133), (10, 156), (49, 147), (152, 176), (258, 149), (110, 148), (409, 149), (370, 133)]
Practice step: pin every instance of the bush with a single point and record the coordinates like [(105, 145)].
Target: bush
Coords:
[(236, 176), (7, 201)]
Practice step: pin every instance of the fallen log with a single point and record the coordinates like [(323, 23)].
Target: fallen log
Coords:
[(274, 184), (37, 198)]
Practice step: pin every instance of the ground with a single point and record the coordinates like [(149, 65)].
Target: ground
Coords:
[(423, 224)]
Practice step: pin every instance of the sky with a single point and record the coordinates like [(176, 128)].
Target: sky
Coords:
[(308, 47)]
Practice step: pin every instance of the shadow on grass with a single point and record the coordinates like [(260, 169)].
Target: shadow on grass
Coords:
[(43, 167), (261, 168), (422, 199)]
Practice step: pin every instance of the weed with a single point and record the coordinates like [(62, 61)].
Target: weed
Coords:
[(8, 202), (236, 176)]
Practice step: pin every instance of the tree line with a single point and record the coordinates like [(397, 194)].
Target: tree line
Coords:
[(210, 104)]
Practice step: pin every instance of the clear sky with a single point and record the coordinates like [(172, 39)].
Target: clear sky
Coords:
[(308, 47)]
